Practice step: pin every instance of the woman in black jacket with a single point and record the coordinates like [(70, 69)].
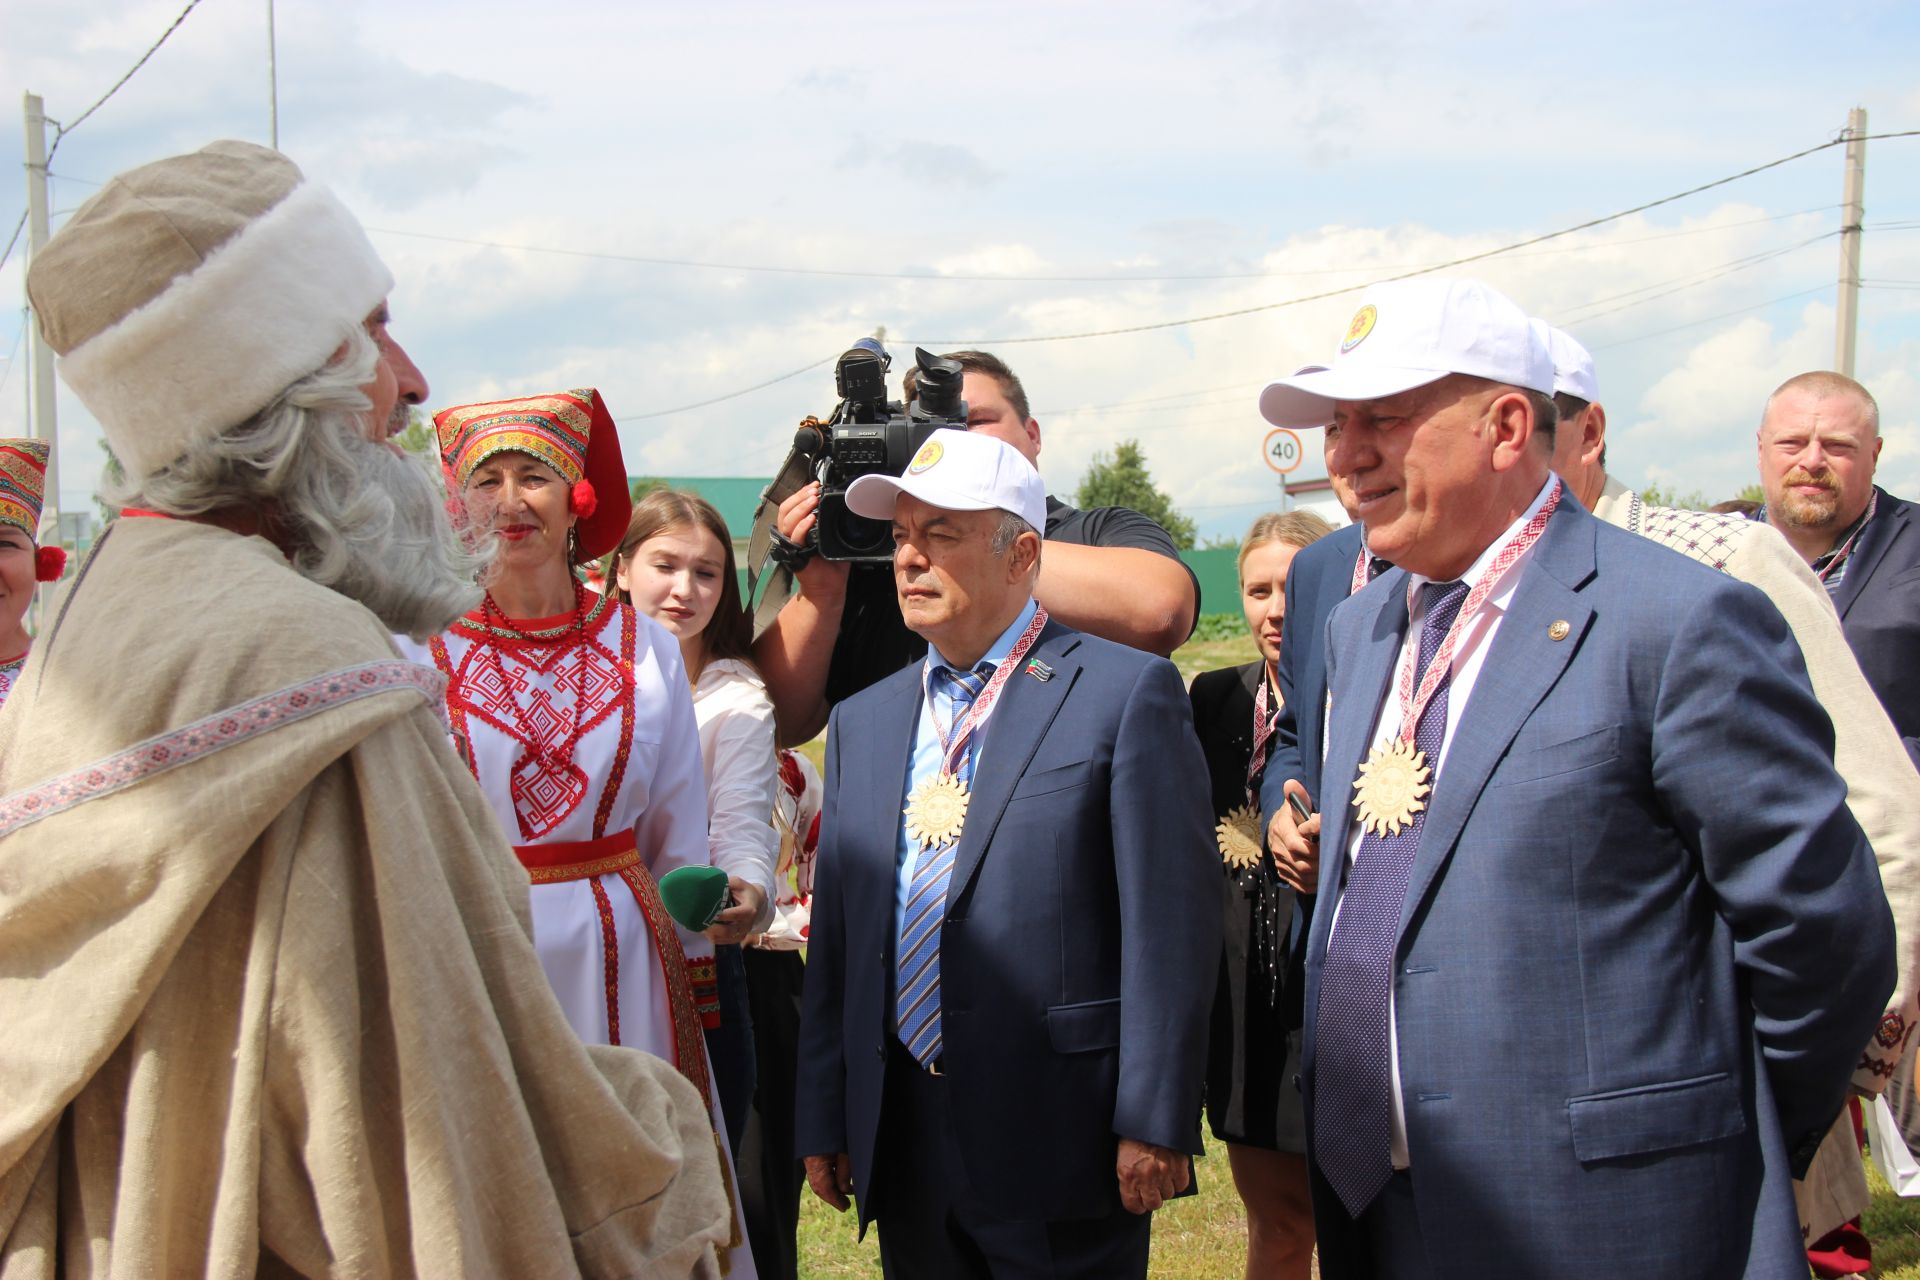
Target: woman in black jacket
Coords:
[(1252, 1104)]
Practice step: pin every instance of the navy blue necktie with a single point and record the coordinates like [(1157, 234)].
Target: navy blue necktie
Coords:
[(917, 987), (1352, 1079)]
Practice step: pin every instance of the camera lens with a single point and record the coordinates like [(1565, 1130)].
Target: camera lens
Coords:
[(860, 536)]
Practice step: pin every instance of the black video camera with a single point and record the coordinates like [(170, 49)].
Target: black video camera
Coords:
[(871, 435)]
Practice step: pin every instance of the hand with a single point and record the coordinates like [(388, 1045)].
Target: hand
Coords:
[(831, 1178), (822, 578), (1295, 845), (1149, 1175), (736, 922)]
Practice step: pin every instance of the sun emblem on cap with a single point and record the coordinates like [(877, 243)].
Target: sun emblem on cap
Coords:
[(930, 453), (1359, 327)]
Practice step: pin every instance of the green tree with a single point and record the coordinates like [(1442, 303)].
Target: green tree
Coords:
[(418, 436), (1752, 493), (1122, 480), (1657, 496), (639, 487)]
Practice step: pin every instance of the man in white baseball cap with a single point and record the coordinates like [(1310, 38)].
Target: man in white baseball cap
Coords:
[(1026, 915), (1535, 795), (1417, 349)]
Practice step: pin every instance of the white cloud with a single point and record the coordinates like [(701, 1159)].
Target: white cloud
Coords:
[(1125, 140)]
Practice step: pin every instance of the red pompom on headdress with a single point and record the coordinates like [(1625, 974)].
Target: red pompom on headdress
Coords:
[(585, 500), (49, 563)]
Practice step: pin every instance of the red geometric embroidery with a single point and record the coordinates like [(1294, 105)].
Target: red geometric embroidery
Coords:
[(536, 695), (618, 773), (610, 956)]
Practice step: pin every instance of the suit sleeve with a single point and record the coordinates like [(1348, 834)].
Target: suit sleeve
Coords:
[(1742, 760), (1284, 760), (820, 1093), (1169, 912)]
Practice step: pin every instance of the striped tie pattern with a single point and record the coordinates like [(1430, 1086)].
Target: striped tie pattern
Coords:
[(1353, 1082), (917, 995)]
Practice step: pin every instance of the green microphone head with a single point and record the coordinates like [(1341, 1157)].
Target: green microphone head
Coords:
[(693, 896)]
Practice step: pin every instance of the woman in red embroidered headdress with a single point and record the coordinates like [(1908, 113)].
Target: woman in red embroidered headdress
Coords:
[(575, 716), (23, 562)]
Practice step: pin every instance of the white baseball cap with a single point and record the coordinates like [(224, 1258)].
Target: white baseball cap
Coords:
[(1572, 363), (958, 471), (1408, 333)]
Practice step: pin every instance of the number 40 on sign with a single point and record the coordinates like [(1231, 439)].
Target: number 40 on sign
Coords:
[(1282, 450)]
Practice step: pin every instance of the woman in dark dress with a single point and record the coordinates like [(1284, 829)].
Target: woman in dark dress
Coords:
[(1252, 1104)]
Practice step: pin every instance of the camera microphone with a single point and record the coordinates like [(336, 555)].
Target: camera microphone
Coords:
[(809, 441)]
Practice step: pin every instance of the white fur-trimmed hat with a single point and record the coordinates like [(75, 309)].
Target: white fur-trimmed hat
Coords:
[(188, 293)]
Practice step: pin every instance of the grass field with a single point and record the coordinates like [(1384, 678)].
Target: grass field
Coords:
[(1204, 1237), (1200, 1236)]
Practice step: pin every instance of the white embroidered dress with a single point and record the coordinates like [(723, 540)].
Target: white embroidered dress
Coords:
[(580, 731)]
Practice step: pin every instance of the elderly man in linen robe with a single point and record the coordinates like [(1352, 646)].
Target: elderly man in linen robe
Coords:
[(270, 1000)]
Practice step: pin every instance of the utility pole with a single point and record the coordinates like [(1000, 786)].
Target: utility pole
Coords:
[(1847, 319), (273, 86), (44, 425)]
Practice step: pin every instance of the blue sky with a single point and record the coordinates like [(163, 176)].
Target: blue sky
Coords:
[(1277, 149)]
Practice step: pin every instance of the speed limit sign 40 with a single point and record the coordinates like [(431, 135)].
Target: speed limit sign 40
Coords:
[(1283, 451)]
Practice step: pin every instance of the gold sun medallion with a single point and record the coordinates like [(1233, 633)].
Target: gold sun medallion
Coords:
[(1239, 837), (1391, 789), (936, 811)]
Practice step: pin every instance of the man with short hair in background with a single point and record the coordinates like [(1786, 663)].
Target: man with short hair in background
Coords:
[(1109, 571), (1883, 789), (1819, 446)]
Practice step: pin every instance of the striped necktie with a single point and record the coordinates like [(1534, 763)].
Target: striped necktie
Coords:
[(917, 994)]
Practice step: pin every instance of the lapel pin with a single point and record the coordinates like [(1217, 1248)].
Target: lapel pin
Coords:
[(1039, 670), (1558, 629)]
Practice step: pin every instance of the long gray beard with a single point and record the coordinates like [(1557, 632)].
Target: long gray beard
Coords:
[(376, 529)]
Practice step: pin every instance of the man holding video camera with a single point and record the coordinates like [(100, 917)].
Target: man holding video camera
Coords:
[(1108, 571)]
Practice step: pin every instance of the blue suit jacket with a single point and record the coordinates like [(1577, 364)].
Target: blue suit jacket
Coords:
[(1643, 937), (1317, 580), (1879, 604), (1081, 940)]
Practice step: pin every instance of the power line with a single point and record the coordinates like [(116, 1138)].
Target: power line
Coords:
[(1330, 293), (1408, 275), (14, 238), (13, 351), (731, 395), (939, 277), (1724, 315), (62, 130), (1660, 289)]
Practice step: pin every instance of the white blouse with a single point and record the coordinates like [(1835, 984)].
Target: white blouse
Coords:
[(735, 717)]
